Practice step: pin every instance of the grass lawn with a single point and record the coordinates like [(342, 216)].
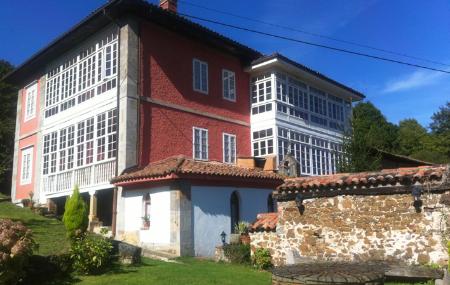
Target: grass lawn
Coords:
[(189, 271), (50, 234)]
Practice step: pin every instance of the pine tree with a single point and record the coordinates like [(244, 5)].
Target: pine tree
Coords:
[(75, 214)]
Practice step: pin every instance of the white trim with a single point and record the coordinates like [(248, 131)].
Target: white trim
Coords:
[(28, 151), (223, 147), (193, 143), (205, 64), (231, 74), (30, 112)]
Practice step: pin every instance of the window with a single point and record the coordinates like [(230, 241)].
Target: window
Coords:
[(110, 60), (229, 148), (262, 109), (27, 166), (89, 141), (200, 144), (234, 211), (263, 142), (261, 91), (316, 156), (91, 72), (101, 136), (200, 76), (229, 85), (30, 102), (271, 204)]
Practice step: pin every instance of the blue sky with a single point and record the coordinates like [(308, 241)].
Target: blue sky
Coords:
[(413, 27)]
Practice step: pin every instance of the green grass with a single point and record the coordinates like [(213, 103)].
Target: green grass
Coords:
[(50, 234), (188, 271)]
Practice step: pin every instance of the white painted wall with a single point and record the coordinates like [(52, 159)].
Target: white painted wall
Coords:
[(159, 232), (211, 213)]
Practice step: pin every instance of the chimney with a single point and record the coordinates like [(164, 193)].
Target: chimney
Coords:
[(169, 5)]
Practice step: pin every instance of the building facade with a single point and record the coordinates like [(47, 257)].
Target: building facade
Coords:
[(134, 84)]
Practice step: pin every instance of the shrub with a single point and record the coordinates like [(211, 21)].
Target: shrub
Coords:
[(262, 259), (237, 253), (75, 215), (241, 227), (90, 254), (16, 247), (41, 269)]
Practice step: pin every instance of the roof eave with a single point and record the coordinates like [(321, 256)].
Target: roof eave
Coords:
[(278, 60), (115, 9)]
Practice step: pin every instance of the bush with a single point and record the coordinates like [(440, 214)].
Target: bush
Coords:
[(262, 259), (41, 269), (90, 254), (16, 247), (75, 215), (237, 253), (241, 227)]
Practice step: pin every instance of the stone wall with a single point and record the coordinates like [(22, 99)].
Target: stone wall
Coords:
[(359, 228)]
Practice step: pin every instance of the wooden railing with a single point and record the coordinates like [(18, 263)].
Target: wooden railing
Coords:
[(88, 176)]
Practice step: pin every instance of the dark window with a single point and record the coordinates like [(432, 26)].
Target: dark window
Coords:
[(271, 204), (234, 205)]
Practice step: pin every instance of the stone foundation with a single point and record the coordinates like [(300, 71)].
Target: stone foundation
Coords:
[(359, 228)]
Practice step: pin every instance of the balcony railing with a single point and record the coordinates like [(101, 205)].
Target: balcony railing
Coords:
[(88, 176)]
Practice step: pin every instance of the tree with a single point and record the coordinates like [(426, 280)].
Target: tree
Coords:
[(378, 132), (441, 120), (75, 214), (411, 136), (8, 95), (370, 131)]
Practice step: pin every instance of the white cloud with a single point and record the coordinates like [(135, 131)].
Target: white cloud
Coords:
[(416, 79)]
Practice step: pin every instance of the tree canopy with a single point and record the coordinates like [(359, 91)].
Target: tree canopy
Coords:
[(371, 132), (8, 95)]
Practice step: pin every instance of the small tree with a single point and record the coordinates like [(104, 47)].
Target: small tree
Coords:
[(75, 215)]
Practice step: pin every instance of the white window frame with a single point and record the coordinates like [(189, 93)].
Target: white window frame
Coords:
[(227, 75), (231, 155), (26, 179), (30, 98), (201, 63), (200, 144)]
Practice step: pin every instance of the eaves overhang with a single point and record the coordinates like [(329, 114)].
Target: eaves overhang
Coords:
[(305, 73)]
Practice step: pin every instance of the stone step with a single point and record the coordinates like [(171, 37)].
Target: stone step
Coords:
[(159, 255)]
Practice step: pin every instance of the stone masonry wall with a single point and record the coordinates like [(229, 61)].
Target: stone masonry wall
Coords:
[(359, 228)]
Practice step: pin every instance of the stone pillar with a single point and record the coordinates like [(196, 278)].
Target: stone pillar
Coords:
[(40, 197), (128, 108), (93, 220), (16, 147), (181, 235)]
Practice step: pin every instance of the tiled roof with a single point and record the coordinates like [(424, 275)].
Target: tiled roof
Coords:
[(265, 222), (394, 177), (182, 165)]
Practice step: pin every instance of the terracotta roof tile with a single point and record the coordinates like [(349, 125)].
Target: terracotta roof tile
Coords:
[(400, 176), (182, 165), (265, 222)]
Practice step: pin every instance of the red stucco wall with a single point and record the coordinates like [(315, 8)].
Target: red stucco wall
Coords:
[(29, 126), (27, 138), (22, 191), (166, 74)]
